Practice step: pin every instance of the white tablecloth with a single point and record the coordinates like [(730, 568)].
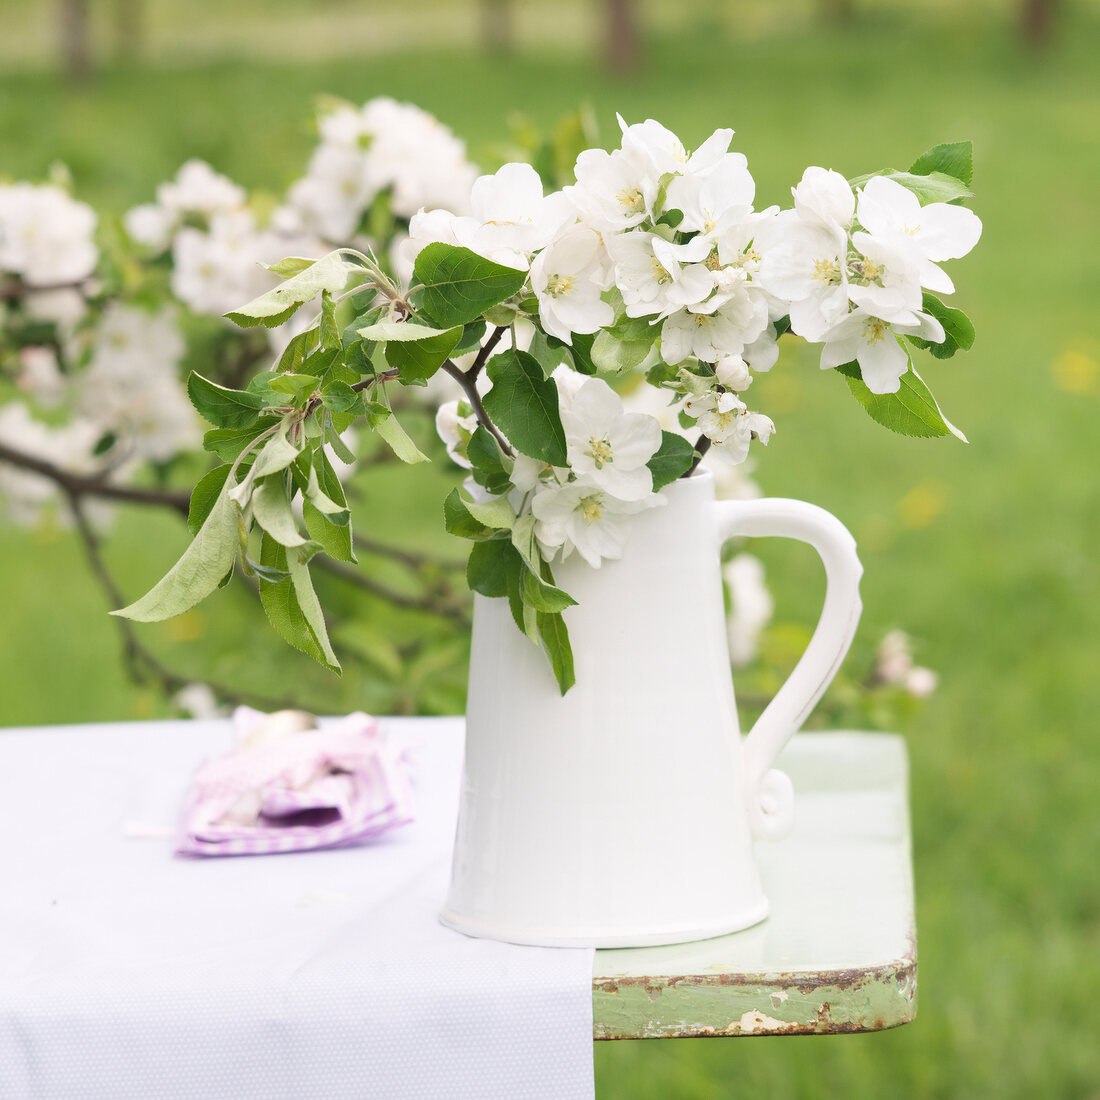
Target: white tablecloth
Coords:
[(127, 973)]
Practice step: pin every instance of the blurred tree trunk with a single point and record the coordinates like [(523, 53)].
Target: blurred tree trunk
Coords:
[(498, 26), (838, 11), (129, 29), (76, 58), (622, 43), (1037, 21)]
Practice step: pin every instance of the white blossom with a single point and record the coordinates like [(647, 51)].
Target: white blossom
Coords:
[(132, 386), (568, 278), (46, 237), (717, 329), (455, 426), (583, 517), (607, 446), (751, 607), (656, 277), (874, 344), (937, 231)]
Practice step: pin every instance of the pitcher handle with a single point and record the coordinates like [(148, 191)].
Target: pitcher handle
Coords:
[(769, 795)]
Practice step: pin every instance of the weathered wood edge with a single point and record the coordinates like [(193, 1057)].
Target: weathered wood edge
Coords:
[(805, 1003)]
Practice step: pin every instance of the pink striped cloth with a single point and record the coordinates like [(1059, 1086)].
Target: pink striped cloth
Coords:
[(289, 787)]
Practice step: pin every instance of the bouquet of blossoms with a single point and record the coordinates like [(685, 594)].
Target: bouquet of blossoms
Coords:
[(655, 263)]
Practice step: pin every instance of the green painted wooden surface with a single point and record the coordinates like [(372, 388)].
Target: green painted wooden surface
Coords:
[(838, 952)]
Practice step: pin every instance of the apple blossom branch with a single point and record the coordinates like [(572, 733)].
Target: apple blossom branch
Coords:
[(441, 598), (468, 381)]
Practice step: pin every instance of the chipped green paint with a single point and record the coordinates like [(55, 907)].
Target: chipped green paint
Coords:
[(729, 1005), (838, 953)]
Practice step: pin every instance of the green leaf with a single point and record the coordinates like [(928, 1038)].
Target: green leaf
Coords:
[(495, 512), (458, 521), (205, 495), (325, 511), (581, 351), (227, 443), (311, 608), (932, 187), (339, 397), (672, 460), (487, 462), (329, 330), (613, 354), (954, 159), (458, 285), (276, 306), (400, 332), (957, 327), (292, 265), (275, 455), (419, 360), (555, 640), (222, 406), (911, 411), (398, 440), (296, 351), (471, 338), (544, 597), (199, 570), (524, 404), (291, 604), (489, 564), (271, 510), (299, 386)]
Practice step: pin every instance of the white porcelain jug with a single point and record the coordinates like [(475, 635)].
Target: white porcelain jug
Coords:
[(623, 813)]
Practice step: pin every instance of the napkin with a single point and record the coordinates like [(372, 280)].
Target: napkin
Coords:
[(290, 786)]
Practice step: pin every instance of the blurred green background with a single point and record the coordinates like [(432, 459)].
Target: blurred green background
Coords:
[(986, 553)]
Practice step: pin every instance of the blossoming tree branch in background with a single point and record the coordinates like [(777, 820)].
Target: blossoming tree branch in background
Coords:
[(654, 260), (539, 311)]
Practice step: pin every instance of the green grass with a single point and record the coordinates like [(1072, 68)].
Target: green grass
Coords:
[(987, 552)]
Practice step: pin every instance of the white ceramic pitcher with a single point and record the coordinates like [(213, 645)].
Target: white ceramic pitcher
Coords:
[(623, 813)]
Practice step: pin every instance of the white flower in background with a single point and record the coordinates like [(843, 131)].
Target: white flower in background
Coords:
[(609, 447), (455, 422), (199, 701), (334, 192), (824, 198), (65, 307), (568, 278), (751, 607), (198, 189), (46, 237), (151, 225), (132, 387), (894, 666), (873, 343), (39, 376), (656, 277), (382, 146), (69, 447), (418, 158), (583, 517), (716, 329), (938, 231), (215, 271)]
